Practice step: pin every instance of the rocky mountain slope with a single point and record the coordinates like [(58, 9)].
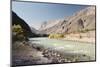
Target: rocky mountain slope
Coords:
[(27, 30), (16, 20), (83, 20)]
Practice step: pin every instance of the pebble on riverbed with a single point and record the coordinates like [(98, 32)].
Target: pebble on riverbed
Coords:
[(54, 56)]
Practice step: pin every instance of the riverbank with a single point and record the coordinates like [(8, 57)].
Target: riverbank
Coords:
[(26, 53), (81, 37), (84, 40), (88, 37)]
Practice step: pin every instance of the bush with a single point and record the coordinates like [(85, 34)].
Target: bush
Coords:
[(17, 33), (56, 36), (17, 29)]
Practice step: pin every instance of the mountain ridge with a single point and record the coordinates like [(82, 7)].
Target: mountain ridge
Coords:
[(80, 21)]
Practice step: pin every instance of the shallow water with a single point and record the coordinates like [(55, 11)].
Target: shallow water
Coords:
[(67, 47)]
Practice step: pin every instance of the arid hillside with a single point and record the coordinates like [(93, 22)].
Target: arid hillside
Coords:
[(81, 21)]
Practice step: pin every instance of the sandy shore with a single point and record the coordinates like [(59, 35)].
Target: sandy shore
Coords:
[(89, 40), (81, 37)]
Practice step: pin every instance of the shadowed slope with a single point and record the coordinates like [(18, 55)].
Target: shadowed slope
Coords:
[(18, 21)]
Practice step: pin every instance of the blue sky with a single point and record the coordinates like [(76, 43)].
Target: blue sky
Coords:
[(37, 13)]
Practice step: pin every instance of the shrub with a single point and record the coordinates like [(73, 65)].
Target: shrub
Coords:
[(17, 33), (56, 36), (17, 29)]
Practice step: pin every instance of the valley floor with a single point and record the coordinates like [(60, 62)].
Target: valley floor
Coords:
[(81, 37), (26, 53)]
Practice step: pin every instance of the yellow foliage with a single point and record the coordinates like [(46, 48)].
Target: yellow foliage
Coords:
[(56, 36), (18, 33), (17, 29)]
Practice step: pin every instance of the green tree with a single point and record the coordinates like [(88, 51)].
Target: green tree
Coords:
[(18, 33)]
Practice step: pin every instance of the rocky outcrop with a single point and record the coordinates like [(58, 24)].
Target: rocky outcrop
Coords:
[(81, 21)]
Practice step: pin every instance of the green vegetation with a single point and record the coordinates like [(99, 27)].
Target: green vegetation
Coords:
[(18, 33), (56, 36), (17, 29)]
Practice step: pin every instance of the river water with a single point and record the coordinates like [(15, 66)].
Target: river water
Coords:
[(67, 47)]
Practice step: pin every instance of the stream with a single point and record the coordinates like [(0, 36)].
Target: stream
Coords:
[(86, 51)]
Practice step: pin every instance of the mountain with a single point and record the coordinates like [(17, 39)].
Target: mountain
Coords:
[(34, 30), (38, 33), (81, 21), (16, 20)]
